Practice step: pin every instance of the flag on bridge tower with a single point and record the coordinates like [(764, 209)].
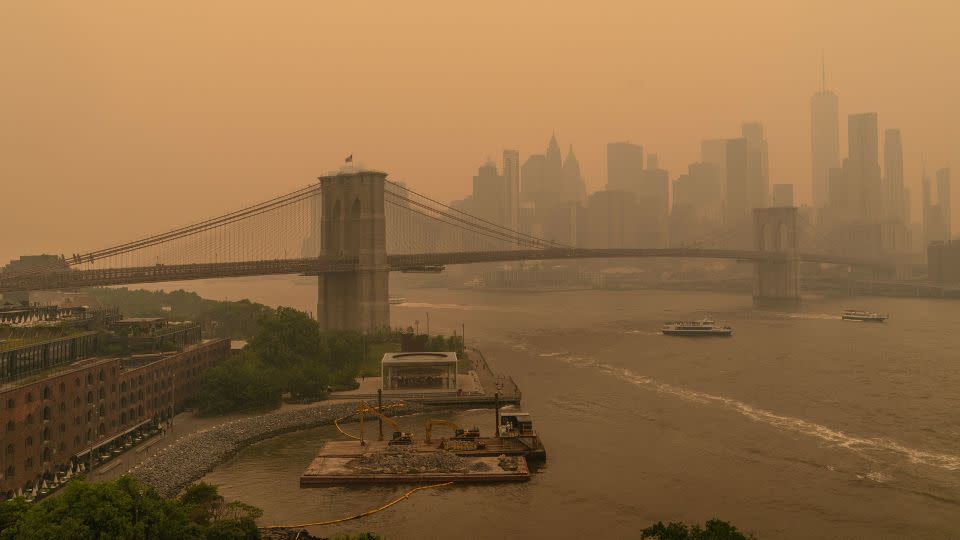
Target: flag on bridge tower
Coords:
[(349, 159)]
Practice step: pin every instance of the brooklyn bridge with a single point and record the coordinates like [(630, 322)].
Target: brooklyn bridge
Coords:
[(355, 227)]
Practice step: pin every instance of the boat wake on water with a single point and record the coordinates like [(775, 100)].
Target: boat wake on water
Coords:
[(810, 316), (950, 462)]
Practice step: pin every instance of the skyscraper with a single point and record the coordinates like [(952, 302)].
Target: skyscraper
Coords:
[(893, 203), (553, 168), (653, 200), (624, 166), (862, 167), (511, 176), (714, 152), (824, 141), (490, 194), (736, 159), (758, 175), (943, 199), (573, 187), (532, 177)]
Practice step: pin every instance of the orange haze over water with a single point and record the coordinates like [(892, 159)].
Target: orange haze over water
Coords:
[(119, 119)]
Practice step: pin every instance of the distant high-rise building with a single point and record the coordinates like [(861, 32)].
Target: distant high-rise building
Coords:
[(824, 141), (893, 204), (511, 176), (862, 167), (736, 197), (696, 205), (624, 166), (781, 195), (943, 199), (573, 186), (936, 216), (611, 220), (490, 195), (758, 175), (532, 177), (553, 167), (653, 201), (714, 152)]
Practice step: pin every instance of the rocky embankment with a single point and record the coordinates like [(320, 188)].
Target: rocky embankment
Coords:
[(190, 457)]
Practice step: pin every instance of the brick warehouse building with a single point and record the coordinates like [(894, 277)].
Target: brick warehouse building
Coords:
[(57, 418)]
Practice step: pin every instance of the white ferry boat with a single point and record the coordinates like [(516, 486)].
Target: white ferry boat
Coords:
[(703, 327), (863, 316)]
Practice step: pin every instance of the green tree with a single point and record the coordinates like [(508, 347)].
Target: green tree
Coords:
[(241, 382), (286, 337), (715, 529), (124, 509)]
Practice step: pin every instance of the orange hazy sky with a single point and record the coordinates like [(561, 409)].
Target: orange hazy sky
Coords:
[(119, 119)]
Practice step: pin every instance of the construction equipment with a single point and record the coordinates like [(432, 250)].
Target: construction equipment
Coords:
[(399, 436), (462, 439)]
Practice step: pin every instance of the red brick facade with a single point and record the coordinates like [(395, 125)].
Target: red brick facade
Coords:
[(47, 423)]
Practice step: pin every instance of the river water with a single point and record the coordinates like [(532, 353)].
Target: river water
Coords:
[(800, 426)]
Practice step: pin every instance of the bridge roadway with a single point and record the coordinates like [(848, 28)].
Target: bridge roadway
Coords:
[(73, 279)]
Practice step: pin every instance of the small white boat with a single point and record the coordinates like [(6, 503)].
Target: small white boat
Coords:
[(703, 327), (395, 300), (863, 316)]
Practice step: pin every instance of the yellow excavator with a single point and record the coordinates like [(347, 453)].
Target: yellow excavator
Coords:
[(462, 439), (399, 436)]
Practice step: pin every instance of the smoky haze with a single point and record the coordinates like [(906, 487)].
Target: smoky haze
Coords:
[(121, 119)]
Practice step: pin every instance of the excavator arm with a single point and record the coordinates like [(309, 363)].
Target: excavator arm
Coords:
[(431, 423)]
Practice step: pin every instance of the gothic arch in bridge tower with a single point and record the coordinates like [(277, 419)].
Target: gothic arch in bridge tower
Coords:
[(777, 279), (333, 243)]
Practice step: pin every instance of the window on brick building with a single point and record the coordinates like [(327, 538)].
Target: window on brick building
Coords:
[(11, 427), (29, 441), (63, 388), (45, 393), (47, 415), (29, 397), (11, 404)]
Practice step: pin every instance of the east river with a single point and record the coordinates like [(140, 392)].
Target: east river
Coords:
[(799, 426)]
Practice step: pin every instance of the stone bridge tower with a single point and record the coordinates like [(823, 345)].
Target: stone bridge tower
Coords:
[(775, 230), (352, 224)]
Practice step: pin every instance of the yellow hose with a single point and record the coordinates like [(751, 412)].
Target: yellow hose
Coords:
[(358, 516)]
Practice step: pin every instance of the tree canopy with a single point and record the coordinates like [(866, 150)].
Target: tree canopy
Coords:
[(125, 509), (714, 529)]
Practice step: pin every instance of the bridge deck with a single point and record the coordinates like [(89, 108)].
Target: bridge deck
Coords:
[(72, 279)]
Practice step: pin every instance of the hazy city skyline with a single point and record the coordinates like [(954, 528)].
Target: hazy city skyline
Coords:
[(238, 105)]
